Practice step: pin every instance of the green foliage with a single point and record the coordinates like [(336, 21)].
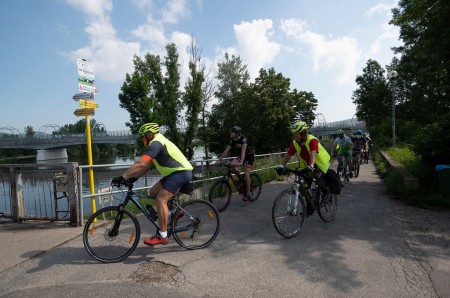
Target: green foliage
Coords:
[(422, 88), (264, 109), (192, 99)]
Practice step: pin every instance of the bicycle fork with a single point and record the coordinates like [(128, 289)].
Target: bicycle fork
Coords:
[(292, 206)]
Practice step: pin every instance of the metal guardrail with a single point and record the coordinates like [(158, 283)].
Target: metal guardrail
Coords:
[(38, 191), (57, 141)]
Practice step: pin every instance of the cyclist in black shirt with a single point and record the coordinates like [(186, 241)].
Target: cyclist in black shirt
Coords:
[(240, 146), (359, 145)]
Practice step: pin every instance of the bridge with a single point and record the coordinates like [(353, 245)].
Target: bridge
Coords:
[(322, 128), (53, 141), (42, 141)]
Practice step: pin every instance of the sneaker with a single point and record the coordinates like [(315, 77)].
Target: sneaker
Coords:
[(350, 174), (155, 240)]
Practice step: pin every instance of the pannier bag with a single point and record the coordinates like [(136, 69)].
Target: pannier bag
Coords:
[(334, 184)]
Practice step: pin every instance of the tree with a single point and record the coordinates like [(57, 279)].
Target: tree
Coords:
[(29, 131), (193, 97), (373, 101), (151, 97), (232, 75), (171, 100), (424, 69), (266, 109)]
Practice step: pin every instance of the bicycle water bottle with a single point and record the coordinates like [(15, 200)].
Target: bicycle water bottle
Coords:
[(152, 211)]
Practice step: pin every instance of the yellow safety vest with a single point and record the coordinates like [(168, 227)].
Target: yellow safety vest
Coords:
[(176, 161), (322, 158)]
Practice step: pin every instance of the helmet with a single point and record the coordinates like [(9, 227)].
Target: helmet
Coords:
[(299, 126), (236, 129), (359, 132), (340, 132), (148, 127)]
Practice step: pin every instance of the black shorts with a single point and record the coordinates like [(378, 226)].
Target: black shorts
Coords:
[(176, 180), (248, 161)]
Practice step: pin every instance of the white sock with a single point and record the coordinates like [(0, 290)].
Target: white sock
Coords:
[(163, 234)]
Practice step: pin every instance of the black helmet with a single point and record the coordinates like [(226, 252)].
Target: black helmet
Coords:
[(236, 129)]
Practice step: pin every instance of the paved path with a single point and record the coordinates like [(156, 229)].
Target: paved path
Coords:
[(376, 247)]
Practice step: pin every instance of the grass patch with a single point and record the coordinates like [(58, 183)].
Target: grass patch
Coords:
[(428, 196)]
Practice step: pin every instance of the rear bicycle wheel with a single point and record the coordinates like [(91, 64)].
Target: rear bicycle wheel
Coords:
[(196, 224), (220, 195), (255, 187), (357, 165), (327, 206), (288, 213), (111, 234)]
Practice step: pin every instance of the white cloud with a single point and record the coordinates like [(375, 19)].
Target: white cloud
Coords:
[(337, 57), (380, 8), (173, 11), (254, 45), (96, 8)]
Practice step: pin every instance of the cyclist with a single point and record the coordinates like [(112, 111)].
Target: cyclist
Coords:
[(369, 144), (345, 145), (170, 163), (240, 146), (359, 145), (310, 153)]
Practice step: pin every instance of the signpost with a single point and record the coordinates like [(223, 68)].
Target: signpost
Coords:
[(88, 104), (86, 76), (84, 112), (86, 84), (84, 95)]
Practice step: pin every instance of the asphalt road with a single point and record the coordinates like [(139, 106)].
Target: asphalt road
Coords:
[(367, 251)]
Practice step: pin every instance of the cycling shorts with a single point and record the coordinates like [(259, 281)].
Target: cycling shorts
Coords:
[(248, 161), (173, 182), (345, 153)]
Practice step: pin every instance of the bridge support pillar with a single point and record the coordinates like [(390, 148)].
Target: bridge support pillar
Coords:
[(52, 155)]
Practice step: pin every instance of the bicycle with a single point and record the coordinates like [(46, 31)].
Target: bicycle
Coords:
[(293, 205), (221, 191), (112, 233), (356, 162), (342, 169), (366, 156)]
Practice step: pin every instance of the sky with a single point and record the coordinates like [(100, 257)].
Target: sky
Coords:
[(320, 45)]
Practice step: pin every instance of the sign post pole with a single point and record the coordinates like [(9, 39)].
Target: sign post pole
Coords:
[(91, 170), (86, 83)]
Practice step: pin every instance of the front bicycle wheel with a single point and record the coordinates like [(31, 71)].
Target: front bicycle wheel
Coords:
[(111, 234), (327, 206), (220, 195), (196, 224), (342, 175), (288, 213), (255, 186)]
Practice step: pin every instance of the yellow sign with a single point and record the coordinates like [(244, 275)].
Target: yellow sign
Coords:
[(84, 112), (88, 104)]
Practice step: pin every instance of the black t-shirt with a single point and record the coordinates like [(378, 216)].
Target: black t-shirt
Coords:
[(236, 146), (358, 144)]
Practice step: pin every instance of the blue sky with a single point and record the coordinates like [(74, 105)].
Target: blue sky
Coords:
[(320, 45)]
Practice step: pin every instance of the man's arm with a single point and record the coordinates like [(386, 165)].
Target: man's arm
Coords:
[(224, 153), (243, 150), (139, 168)]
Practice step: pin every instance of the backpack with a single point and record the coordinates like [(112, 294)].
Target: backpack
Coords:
[(333, 181)]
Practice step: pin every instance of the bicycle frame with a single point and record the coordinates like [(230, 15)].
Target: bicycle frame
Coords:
[(229, 176), (130, 196)]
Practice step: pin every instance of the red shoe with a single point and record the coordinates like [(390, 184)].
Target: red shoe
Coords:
[(155, 240)]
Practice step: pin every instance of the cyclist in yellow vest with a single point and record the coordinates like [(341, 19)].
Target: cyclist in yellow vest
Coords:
[(310, 152), (170, 163)]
